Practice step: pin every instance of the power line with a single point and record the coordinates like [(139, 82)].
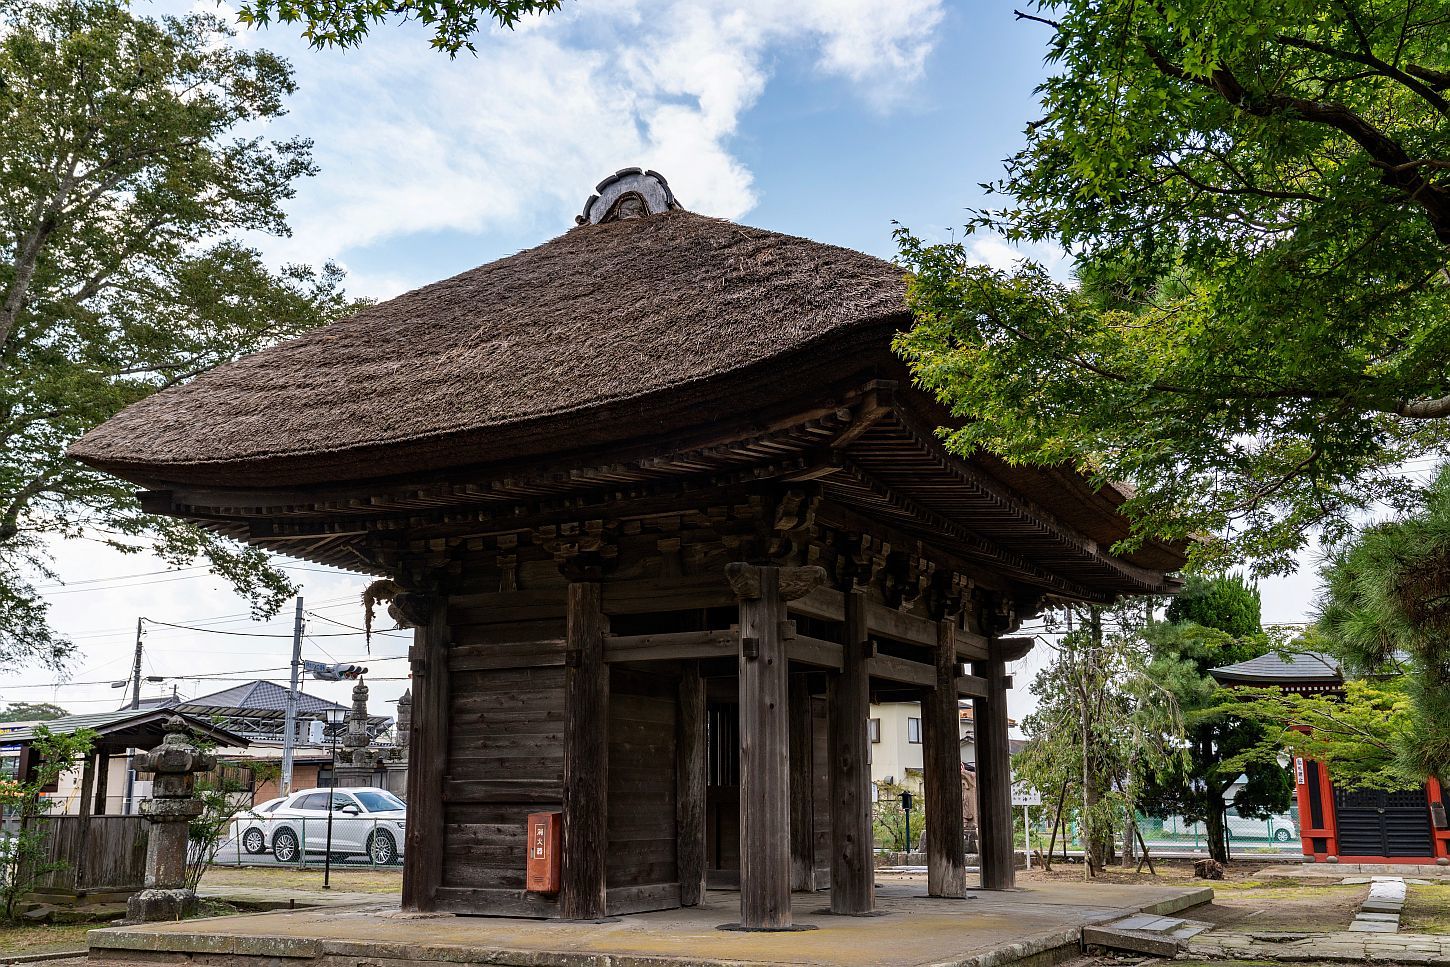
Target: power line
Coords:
[(207, 676), (249, 634)]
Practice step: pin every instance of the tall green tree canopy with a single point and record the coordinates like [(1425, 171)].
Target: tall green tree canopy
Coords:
[(345, 23), (129, 167), (1255, 197), (1386, 606)]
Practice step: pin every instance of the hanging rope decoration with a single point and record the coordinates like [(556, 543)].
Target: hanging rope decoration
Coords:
[(408, 609)]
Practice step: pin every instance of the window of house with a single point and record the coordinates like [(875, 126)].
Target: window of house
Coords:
[(874, 730), (913, 731)]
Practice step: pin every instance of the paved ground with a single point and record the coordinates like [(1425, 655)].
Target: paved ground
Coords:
[(982, 931), (1338, 947)]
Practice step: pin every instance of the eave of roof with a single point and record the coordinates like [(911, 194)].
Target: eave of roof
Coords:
[(1276, 669)]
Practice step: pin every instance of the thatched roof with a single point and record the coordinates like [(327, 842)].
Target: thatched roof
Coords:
[(467, 369)]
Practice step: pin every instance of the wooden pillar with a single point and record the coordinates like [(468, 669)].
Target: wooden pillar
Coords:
[(103, 772), (946, 850), (802, 787), (765, 854), (88, 787), (994, 777), (690, 778), (849, 708), (427, 762), (586, 756)]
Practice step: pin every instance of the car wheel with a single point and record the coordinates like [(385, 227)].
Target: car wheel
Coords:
[(284, 846), (253, 841), (1282, 836), (382, 849)]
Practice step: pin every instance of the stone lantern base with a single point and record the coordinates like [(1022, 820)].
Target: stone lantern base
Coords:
[(150, 906)]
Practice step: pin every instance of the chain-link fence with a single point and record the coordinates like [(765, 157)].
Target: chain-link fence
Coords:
[(1276, 834), (302, 843)]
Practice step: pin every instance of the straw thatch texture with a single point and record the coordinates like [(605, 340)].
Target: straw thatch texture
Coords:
[(601, 314)]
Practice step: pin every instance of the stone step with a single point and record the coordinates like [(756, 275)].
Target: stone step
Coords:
[(1145, 934)]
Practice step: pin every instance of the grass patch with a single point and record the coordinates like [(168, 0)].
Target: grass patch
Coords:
[(1427, 909), (44, 938)]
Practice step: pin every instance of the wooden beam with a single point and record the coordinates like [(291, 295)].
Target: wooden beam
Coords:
[(890, 623), (764, 751), (802, 787), (686, 645), (946, 853), (827, 604), (813, 651), (902, 670), (582, 893), (971, 686), (994, 778), (427, 763), (691, 745), (673, 594), (848, 709), (670, 646)]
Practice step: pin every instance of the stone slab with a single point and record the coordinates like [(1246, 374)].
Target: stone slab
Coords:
[(1147, 921), (1043, 923), (1140, 942), (1374, 926)]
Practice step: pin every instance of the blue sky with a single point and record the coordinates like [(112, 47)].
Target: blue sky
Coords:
[(824, 118)]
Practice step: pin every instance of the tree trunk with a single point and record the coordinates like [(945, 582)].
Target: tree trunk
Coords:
[(1217, 845)]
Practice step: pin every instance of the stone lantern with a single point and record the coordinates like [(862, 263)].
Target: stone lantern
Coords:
[(175, 763)]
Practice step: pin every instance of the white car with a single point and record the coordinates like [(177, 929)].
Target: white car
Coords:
[(252, 827), (365, 822)]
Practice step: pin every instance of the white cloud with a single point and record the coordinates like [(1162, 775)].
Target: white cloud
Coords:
[(410, 141)]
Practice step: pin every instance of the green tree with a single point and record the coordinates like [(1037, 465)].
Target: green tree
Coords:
[(344, 23), (1386, 607), (129, 167), (1358, 736), (31, 712), (24, 844), (1256, 199), (889, 820), (1215, 621), (1103, 728)]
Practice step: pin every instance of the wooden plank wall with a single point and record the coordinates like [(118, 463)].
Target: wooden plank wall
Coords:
[(505, 760), (114, 853), (642, 870)]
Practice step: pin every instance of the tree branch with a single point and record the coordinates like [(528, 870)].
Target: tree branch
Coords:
[(1398, 170), (1423, 409), (1370, 60)]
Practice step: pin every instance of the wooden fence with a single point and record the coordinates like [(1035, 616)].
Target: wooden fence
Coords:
[(102, 854)]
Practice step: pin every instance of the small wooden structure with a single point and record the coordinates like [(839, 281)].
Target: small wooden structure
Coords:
[(104, 855), (1348, 825), (666, 512)]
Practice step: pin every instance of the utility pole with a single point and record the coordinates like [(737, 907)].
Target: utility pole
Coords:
[(135, 704), (136, 668), (289, 734)]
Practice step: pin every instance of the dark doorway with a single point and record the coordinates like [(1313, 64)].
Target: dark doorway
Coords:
[(722, 795)]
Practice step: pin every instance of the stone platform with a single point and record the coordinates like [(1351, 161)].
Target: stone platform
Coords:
[(1040, 925)]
